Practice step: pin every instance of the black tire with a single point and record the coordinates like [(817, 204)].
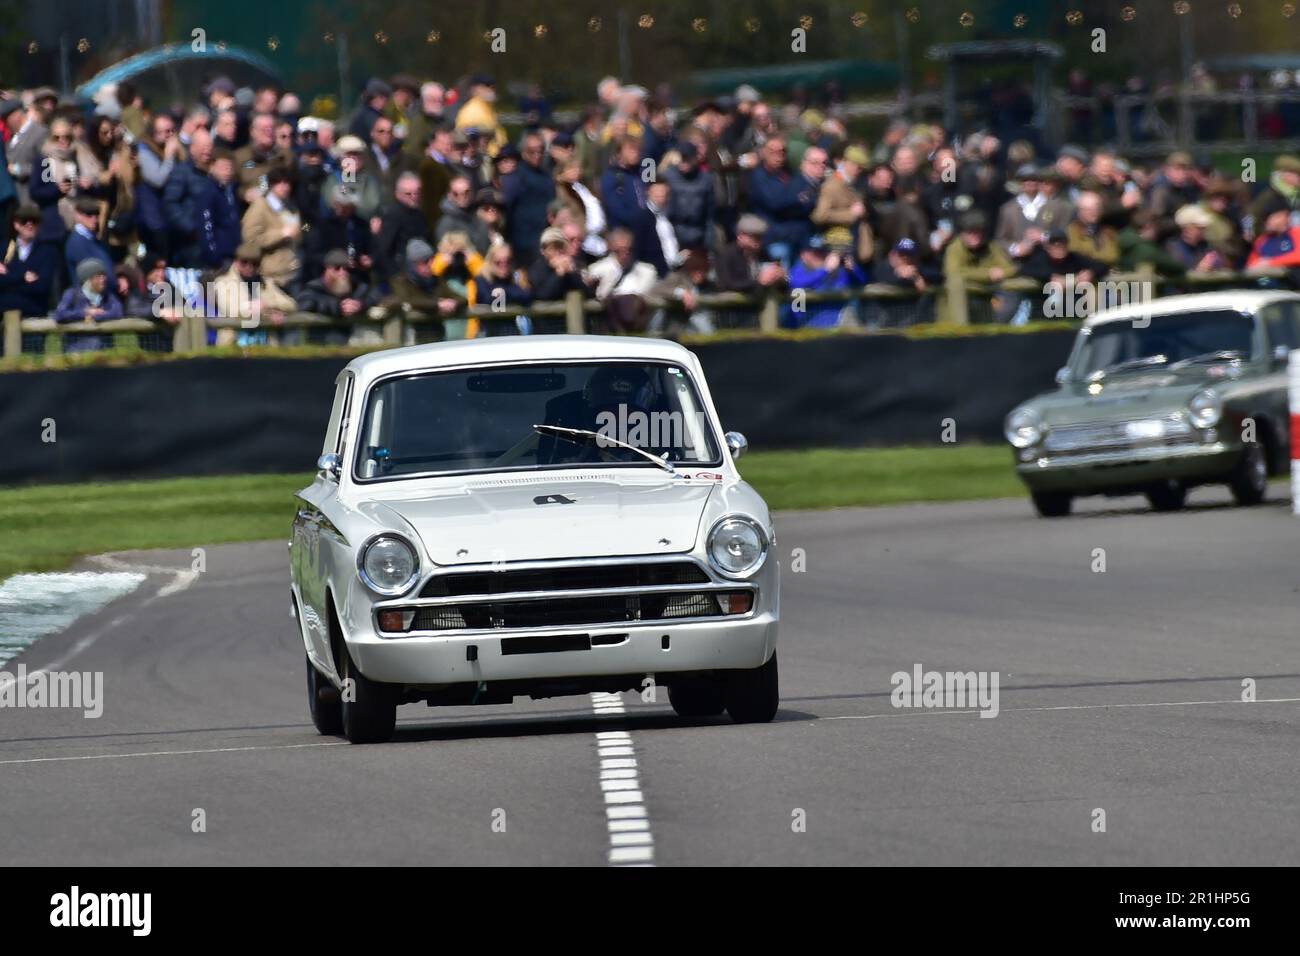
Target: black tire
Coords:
[(1052, 504), (696, 697), (1249, 482), (1167, 496), (752, 696), (323, 699), (369, 718)]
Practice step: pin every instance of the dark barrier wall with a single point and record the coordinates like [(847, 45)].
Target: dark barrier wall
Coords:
[(229, 416)]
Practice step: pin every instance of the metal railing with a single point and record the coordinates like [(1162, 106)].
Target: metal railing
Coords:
[(873, 306)]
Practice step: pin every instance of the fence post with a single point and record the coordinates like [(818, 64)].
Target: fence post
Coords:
[(575, 318), (394, 327), (955, 307), (769, 316), (13, 344), (198, 333)]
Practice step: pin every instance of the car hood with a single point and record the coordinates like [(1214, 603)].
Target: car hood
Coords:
[(520, 519), (1130, 395)]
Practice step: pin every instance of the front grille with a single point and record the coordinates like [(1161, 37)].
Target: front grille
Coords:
[(557, 612), (566, 578), (1104, 436)]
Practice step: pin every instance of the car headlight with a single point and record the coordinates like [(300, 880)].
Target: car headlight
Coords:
[(1023, 428), (1205, 409), (737, 546), (388, 565)]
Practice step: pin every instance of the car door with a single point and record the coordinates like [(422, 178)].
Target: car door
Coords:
[(314, 532)]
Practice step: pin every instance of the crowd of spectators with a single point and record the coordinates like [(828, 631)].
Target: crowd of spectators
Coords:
[(422, 200)]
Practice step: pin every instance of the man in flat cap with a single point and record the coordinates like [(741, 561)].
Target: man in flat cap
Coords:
[(90, 299)]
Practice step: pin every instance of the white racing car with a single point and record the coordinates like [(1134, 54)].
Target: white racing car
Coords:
[(531, 516)]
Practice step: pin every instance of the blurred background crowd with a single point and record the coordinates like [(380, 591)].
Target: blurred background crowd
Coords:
[(422, 199)]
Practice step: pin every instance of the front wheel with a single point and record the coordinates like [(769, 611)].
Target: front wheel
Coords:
[(1249, 482), (323, 699), (752, 696), (1052, 504), (1167, 496), (369, 707), (696, 697)]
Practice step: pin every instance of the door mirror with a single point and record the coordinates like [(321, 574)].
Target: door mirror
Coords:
[(736, 444), (1281, 355), (331, 464), (1063, 376)]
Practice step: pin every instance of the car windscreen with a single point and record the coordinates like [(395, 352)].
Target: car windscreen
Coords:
[(1120, 345), (481, 419)]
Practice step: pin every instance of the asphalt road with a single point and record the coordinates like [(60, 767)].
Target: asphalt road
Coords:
[(1119, 691)]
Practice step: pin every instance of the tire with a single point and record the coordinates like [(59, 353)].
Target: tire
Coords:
[(1167, 496), (1052, 504), (1249, 482), (371, 716), (697, 697), (323, 699), (752, 696)]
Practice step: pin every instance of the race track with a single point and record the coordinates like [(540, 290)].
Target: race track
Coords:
[(1119, 690)]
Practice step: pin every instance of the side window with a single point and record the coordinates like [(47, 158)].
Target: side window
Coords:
[(338, 415), (1277, 326)]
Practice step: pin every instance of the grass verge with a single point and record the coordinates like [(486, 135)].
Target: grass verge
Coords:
[(48, 527)]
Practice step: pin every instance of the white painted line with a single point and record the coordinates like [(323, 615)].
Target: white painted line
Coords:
[(631, 854), (623, 796), (627, 826), (630, 841), (176, 753), (625, 813), (1025, 710)]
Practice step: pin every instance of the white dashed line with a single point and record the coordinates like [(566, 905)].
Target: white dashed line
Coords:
[(1028, 710), (630, 841)]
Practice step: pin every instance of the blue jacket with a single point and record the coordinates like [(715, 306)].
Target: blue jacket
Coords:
[(820, 315), (785, 202), (81, 247), (72, 308), (183, 196), (527, 192), (219, 222), (623, 192), (30, 298)]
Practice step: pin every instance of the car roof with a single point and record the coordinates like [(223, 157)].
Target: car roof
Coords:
[(1237, 300), (517, 348)]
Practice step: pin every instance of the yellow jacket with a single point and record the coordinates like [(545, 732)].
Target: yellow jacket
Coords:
[(482, 116)]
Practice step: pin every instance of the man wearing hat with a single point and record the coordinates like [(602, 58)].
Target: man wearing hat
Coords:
[(741, 266), (820, 268), (28, 267), (88, 300), (374, 100), (1053, 261), (83, 241), (1277, 244), (257, 300), (404, 107), (840, 203), (355, 173), (1283, 186), (1190, 247), (972, 256), (1071, 163), (334, 293), (480, 112), (1174, 188), (901, 267)]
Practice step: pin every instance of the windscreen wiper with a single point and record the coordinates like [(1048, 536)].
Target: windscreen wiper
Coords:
[(587, 437)]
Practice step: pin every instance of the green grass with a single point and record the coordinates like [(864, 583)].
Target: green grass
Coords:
[(47, 527)]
